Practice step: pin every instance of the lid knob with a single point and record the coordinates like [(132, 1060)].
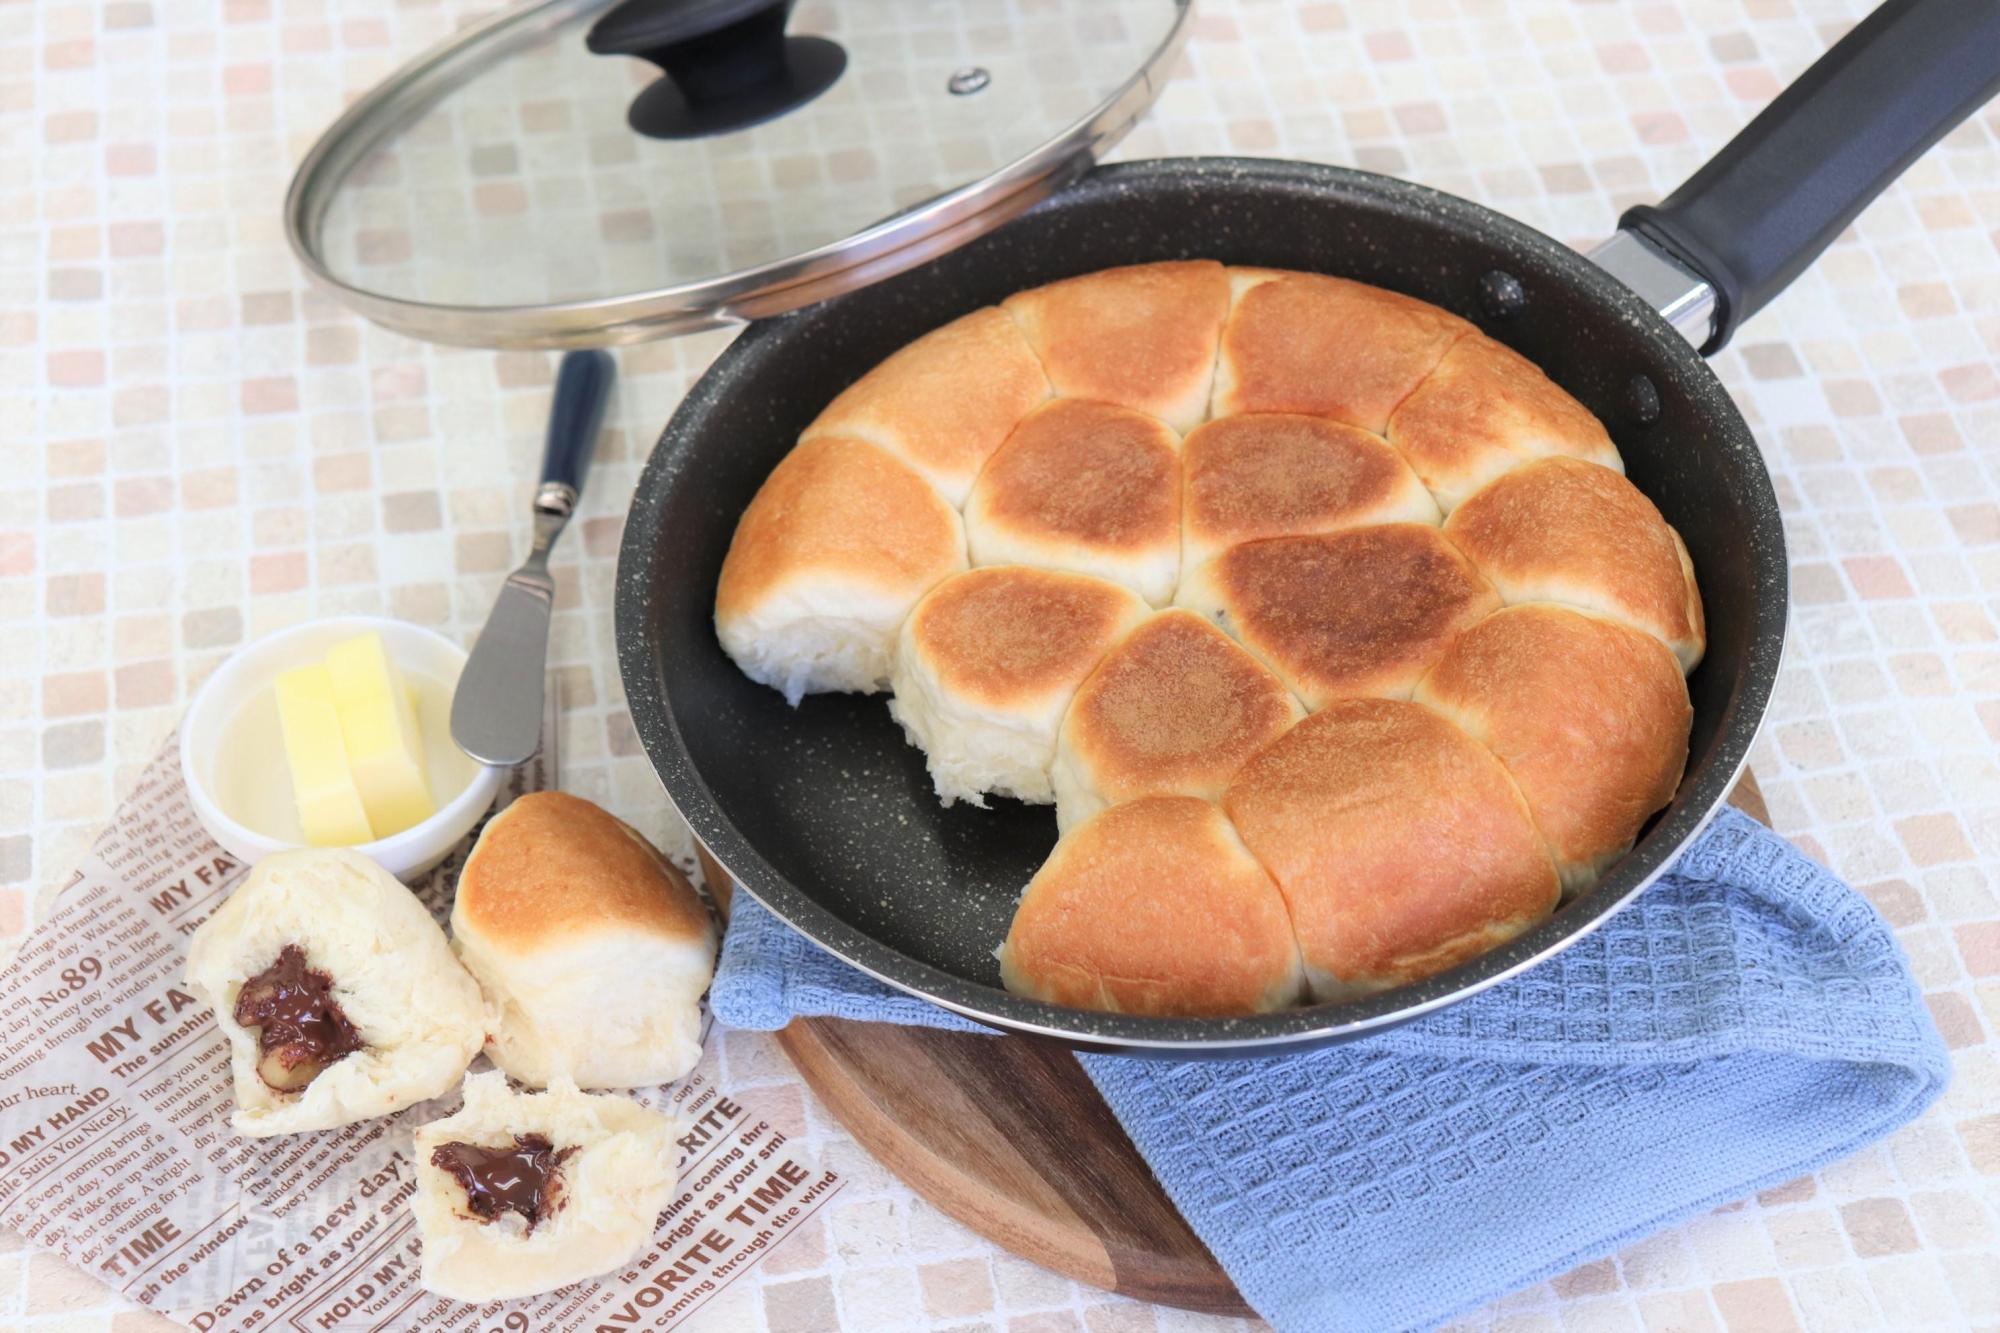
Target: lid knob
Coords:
[(729, 64)]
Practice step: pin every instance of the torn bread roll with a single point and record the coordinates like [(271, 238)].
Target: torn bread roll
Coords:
[(1562, 530), (1485, 410), (338, 993), (1142, 337), (1326, 347), (1173, 710), (1589, 715), (1153, 907), (1275, 474), (592, 949), (834, 550), (944, 403), (986, 666), (1084, 487), (521, 1193), (1401, 845), (1356, 614)]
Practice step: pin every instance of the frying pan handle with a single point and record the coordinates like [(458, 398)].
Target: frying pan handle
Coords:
[(1764, 208)]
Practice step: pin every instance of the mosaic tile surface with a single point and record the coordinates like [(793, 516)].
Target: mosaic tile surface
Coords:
[(200, 450)]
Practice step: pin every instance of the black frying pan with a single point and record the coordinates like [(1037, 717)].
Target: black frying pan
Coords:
[(827, 816)]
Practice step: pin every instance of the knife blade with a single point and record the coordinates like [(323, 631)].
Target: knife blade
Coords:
[(496, 710)]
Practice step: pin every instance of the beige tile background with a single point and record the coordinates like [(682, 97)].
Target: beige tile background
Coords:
[(200, 450)]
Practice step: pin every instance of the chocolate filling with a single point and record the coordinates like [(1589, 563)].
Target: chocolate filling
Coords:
[(300, 1029), (519, 1179)]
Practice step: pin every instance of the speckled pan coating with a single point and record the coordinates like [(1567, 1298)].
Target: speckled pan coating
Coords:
[(828, 817)]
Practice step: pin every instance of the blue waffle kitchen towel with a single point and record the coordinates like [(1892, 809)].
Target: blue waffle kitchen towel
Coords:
[(1748, 1019)]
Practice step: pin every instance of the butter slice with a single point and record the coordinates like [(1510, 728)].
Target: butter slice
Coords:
[(384, 746), (330, 807)]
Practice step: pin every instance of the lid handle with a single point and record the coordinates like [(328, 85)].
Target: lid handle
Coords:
[(729, 64)]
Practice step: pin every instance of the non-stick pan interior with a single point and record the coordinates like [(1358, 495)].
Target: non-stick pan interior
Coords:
[(826, 813)]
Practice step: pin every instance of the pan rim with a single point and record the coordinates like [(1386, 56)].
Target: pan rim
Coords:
[(1694, 806)]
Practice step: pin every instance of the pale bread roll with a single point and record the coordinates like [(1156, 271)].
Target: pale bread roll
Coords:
[(986, 666), (1085, 487), (1560, 530), (944, 403), (1590, 716), (605, 1194), (1326, 347), (1485, 410), (1401, 845), (1153, 907), (1142, 337), (836, 547), (393, 977), (1173, 710), (1274, 474), (590, 946), (1356, 614)]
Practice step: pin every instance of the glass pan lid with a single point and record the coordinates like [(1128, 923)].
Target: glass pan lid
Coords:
[(491, 193)]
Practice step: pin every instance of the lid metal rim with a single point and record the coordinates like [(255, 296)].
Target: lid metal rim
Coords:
[(878, 251)]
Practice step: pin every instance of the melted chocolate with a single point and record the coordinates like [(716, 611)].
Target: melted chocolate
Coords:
[(496, 1180), (300, 1029)]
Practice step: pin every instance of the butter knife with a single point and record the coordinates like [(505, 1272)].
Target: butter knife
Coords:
[(496, 711)]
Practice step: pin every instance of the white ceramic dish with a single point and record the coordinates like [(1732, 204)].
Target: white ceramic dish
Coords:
[(233, 756)]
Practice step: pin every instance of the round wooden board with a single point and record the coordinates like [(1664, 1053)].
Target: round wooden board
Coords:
[(1010, 1137)]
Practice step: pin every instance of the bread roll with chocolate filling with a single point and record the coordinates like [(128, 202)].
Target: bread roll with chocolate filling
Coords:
[(520, 1193), (1326, 347), (1401, 845), (834, 550), (1590, 717), (1560, 530), (1272, 474), (338, 993), (1485, 410), (1153, 907), (1355, 614), (987, 664), (1174, 710), (592, 948), (1088, 488), (943, 403), (1141, 337)]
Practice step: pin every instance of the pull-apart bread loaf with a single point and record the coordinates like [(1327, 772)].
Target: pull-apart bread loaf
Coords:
[(593, 950), (1401, 845), (1154, 907), (828, 559), (943, 404), (986, 666), (1085, 487), (338, 993), (1350, 503), (1174, 710)]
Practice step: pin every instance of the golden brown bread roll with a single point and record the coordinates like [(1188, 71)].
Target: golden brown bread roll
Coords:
[(1326, 347), (986, 665), (1273, 474), (1174, 710), (1486, 409), (945, 402), (1590, 716), (1559, 530), (1141, 337), (1360, 613), (1153, 907), (1086, 487), (1400, 844), (592, 946), (832, 553)]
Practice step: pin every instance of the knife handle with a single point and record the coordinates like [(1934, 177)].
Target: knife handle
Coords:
[(583, 389)]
